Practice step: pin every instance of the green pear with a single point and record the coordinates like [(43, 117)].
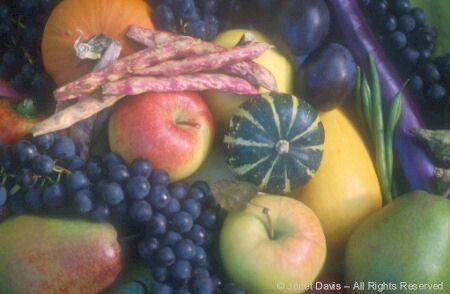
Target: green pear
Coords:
[(405, 245), (50, 255)]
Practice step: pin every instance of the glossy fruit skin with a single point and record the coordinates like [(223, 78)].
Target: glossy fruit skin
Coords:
[(173, 130), (395, 249), (92, 17), (327, 77), (222, 105), (259, 264), (49, 255), (345, 189), (13, 125), (275, 141), (304, 24)]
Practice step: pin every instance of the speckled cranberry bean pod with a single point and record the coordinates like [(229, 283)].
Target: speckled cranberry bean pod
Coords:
[(208, 62), (192, 82), (84, 108), (141, 59), (249, 70)]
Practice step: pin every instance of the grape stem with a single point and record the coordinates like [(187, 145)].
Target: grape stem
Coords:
[(14, 189), (130, 238), (60, 169)]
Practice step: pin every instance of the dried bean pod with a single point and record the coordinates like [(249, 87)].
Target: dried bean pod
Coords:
[(84, 108), (151, 38), (249, 70), (193, 82), (209, 62), (141, 59), (83, 131)]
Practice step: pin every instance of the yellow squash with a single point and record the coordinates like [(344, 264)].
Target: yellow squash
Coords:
[(345, 189), (223, 105)]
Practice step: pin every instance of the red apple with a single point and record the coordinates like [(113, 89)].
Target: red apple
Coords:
[(173, 130)]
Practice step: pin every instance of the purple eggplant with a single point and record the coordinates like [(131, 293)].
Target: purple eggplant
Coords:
[(357, 36)]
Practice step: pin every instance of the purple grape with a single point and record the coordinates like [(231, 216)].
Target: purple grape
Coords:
[(141, 211)]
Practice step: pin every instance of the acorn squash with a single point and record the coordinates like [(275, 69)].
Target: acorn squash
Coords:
[(275, 141)]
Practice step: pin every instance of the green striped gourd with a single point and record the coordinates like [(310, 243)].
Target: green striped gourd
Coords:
[(275, 141)]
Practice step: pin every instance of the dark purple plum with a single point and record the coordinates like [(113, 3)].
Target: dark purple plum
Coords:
[(304, 24), (327, 77)]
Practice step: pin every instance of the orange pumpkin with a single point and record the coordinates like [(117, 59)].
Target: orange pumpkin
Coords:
[(92, 17)]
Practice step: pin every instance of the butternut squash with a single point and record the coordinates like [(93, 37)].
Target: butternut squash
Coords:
[(345, 189)]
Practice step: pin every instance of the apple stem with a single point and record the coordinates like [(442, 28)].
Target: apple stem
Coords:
[(190, 124), (266, 212)]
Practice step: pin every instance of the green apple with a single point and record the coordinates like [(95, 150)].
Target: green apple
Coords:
[(404, 247), (288, 260), (50, 255), (222, 105)]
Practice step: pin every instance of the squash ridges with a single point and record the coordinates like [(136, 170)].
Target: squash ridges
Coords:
[(276, 117), (244, 169), (287, 180), (275, 141), (312, 127), (294, 113), (248, 116), (243, 142), (267, 176)]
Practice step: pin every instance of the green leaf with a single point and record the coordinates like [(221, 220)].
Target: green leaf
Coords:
[(438, 14), (233, 195)]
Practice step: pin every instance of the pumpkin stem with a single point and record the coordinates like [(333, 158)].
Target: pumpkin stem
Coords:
[(282, 147), (92, 49)]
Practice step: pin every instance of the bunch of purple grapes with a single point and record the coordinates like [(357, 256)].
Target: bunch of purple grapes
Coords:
[(252, 14), (197, 18), (177, 221), (411, 42), (21, 26)]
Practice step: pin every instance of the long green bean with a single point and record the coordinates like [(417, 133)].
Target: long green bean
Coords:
[(366, 103), (358, 106), (358, 101), (394, 116), (378, 130)]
